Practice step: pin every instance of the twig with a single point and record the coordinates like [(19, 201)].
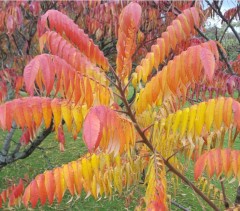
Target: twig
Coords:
[(124, 89), (118, 95), (145, 129), (237, 200), (177, 152), (220, 40), (119, 111), (46, 157), (218, 12), (226, 204), (179, 206)]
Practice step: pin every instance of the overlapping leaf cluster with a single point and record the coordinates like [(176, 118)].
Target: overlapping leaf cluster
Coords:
[(74, 76)]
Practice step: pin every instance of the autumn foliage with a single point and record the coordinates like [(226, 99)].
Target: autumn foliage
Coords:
[(183, 103)]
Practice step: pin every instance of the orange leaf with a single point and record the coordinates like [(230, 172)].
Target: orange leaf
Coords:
[(50, 185), (40, 179), (200, 165), (34, 193)]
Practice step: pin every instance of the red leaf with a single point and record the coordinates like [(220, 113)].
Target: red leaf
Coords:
[(61, 138), (30, 74), (208, 62), (236, 110), (19, 189), (92, 131)]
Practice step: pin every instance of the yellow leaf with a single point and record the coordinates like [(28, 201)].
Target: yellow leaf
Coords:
[(200, 118), (57, 114), (184, 121), (67, 116), (218, 115), (176, 122), (77, 117), (209, 114), (192, 116), (95, 164), (94, 187)]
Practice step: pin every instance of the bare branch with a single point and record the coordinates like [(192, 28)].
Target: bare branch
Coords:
[(5, 160), (218, 12), (7, 141), (220, 40)]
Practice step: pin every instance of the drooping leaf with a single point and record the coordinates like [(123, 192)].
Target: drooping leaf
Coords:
[(92, 131), (184, 70), (96, 178), (110, 131), (208, 62), (228, 162), (12, 194), (55, 20), (71, 55), (41, 110), (46, 70), (190, 125)]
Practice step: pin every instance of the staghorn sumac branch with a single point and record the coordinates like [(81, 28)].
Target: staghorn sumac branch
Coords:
[(6, 159), (148, 143)]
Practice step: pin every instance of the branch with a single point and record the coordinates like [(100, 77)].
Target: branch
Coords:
[(220, 40), (179, 206), (147, 128), (218, 12), (7, 141), (237, 200), (5, 160), (166, 162), (226, 204), (177, 151), (129, 81)]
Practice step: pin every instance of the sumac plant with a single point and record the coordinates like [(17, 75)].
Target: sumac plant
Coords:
[(180, 111)]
